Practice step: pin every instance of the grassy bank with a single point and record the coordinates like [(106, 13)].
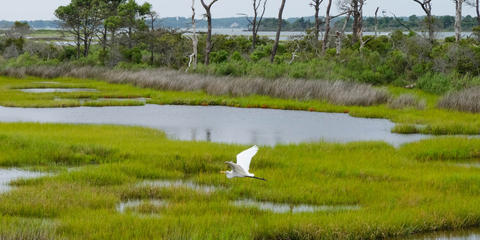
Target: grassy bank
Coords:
[(397, 191), (415, 111)]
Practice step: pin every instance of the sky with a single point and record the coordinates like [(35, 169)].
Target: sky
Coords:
[(43, 9)]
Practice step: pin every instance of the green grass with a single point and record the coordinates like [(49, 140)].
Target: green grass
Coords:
[(431, 119), (416, 188)]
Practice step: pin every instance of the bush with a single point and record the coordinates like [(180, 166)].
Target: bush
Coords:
[(435, 83), (219, 57)]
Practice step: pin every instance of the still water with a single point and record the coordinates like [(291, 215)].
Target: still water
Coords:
[(224, 124), (8, 175)]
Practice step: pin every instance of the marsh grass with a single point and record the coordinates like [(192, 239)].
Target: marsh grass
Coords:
[(399, 191), (467, 100), (407, 101), (14, 228), (336, 92)]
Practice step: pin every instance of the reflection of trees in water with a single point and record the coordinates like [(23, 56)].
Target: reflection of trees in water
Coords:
[(254, 138), (193, 135), (208, 135)]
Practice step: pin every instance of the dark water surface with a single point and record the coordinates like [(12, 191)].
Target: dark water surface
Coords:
[(224, 124)]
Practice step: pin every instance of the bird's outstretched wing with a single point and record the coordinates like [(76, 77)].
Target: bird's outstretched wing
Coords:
[(244, 158)]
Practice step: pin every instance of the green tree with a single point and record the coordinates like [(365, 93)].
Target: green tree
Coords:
[(83, 18)]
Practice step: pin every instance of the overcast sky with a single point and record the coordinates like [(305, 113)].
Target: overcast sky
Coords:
[(43, 9)]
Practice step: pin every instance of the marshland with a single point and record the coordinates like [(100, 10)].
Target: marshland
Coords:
[(117, 123)]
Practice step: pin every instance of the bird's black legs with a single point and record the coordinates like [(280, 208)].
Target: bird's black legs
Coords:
[(263, 179)]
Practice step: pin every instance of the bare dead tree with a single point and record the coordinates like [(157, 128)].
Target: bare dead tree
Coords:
[(357, 9), (279, 30), (194, 56), (327, 26), (429, 20), (316, 5), (341, 35), (477, 9), (257, 19), (153, 18), (208, 14), (475, 4), (458, 19), (376, 21)]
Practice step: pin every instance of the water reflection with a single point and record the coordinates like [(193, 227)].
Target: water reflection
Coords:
[(224, 124), (461, 235), (9, 175), (53, 90), (291, 208), (122, 207), (180, 184)]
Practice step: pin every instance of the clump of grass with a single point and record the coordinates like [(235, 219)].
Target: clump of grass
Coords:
[(13, 228), (336, 92), (19, 151), (448, 148), (405, 129), (407, 101), (467, 100)]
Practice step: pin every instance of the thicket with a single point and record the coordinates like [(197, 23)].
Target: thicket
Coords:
[(397, 59)]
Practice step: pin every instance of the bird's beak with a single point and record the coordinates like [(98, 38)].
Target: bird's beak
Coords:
[(223, 172)]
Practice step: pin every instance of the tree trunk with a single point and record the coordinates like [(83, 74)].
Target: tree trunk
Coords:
[(208, 47), (429, 20), (376, 22), (340, 35), (256, 21), (152, 39), (194, 56), (477, 9), (85, 43), (104, 43), (356, 21), (327, 27), (78, 45), (317, 20), (279, 30), (458, 19), (254, 24)]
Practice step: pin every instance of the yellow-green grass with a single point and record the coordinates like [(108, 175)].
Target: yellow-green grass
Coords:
[(416, 188), (430, 120)]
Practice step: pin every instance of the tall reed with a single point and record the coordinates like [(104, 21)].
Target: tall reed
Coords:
[(336, 92)]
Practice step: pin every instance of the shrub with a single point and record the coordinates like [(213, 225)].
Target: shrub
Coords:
[(219, 57), (434, 83)]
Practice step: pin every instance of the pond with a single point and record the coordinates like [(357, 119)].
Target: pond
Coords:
[(57, 90), (224, 124), (9, 175), (180, 184), (292, 208)]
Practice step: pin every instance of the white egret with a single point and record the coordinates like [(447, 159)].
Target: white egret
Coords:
[(241, 168)]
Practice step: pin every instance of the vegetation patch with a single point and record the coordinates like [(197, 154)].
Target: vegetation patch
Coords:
[(400, 192), (467, 100)]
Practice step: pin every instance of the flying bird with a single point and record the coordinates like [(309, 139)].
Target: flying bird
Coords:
[(241, 168)]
